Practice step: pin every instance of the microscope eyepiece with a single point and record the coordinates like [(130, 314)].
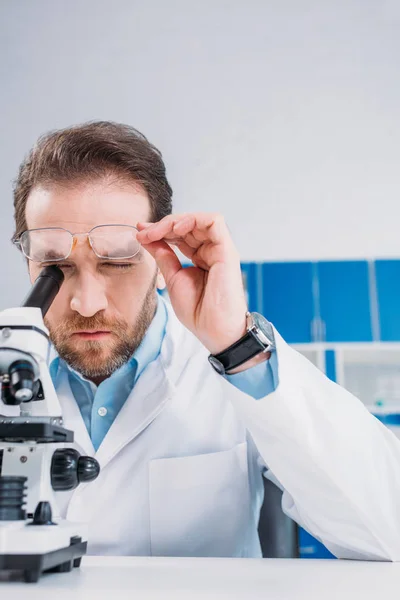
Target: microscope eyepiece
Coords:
[(45, 289)]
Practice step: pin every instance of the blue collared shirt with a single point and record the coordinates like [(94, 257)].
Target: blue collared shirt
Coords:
[(99, 405)]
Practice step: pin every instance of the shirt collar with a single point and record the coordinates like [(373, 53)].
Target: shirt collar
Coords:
[(150, 346)]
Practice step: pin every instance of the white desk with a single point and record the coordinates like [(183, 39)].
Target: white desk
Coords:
[(120, 578)]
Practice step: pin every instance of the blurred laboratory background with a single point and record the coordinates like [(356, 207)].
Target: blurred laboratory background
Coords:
[(282, 115)]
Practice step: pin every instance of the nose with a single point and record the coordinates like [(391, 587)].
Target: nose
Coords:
[(89, 295)]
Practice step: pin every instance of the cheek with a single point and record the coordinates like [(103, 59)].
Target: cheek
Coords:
[(129, 290), (58, 310), (34, 271), (126, 289)]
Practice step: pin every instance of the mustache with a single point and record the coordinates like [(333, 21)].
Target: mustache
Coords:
[(94, 323)]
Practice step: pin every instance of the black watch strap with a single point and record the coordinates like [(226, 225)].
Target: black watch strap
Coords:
[(237, 354)]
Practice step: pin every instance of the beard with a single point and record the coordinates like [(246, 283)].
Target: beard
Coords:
[(98, 359)]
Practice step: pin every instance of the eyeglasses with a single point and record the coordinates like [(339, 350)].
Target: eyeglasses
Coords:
[(111, 242)]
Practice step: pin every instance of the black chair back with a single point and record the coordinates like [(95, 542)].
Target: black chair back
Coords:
[(277, 532)]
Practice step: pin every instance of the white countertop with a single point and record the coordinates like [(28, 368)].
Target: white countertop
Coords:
[(118, 578)]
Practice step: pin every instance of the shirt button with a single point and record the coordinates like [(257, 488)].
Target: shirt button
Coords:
[(102, 411)]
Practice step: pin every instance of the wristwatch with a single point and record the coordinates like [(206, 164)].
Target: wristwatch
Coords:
[(258, 338)]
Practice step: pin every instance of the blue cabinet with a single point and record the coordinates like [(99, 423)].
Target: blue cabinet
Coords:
[(324, 301), (387, 274), (344, 301), (330, 364), (287, 292), (309, 547), (250, 281)]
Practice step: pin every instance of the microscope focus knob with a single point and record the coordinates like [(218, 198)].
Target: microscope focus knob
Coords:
[(64, 470), (69, 469), (42, 514), (22, 382), (88, 468)]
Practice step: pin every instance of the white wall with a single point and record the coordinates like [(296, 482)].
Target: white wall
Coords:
[(282, 114)]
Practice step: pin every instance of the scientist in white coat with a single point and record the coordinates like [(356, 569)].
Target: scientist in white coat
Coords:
[(186, 407)]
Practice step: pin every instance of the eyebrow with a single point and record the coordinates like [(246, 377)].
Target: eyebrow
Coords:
[(51, 255)]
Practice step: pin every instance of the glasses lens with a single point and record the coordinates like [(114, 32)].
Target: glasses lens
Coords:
[(114, 241), (42, 245)]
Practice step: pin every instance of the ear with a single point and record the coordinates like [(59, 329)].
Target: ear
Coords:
[(161, 285)]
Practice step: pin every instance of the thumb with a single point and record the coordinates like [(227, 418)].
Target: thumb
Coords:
[(166, 259)]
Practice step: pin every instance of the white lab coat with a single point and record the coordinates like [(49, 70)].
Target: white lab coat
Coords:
[(178, 461)]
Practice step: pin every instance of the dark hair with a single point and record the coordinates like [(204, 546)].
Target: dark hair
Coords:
[(90, 151)]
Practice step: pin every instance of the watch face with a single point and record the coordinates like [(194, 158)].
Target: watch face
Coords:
[(263, 329)]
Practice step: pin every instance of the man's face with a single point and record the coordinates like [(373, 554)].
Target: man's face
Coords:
[(104, 307)]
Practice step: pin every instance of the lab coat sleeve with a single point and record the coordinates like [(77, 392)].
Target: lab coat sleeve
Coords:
[(338, 466)]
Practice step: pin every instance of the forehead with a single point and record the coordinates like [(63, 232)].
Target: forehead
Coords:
[(82, 206)]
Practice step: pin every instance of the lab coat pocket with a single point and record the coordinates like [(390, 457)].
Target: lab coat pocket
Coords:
[(199, 505)]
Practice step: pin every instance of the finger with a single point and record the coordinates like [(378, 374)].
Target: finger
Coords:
[(192, 254), (183, 247), (203, 226), (151, 232), (190, 240), (142, 225), (173, 238), (166, 259)]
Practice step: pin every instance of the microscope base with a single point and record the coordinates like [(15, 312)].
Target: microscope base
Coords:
[(55, 555), (33, 566)]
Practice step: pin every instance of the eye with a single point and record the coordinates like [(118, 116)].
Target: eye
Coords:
[(120, 266), (64, 266)]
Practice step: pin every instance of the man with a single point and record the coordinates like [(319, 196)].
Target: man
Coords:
[(183, 446)]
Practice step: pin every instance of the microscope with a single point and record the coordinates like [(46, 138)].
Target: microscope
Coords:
[(35, 460)]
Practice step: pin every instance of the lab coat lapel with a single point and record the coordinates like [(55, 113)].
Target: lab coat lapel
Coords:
[(147, 399), (153, 390)]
